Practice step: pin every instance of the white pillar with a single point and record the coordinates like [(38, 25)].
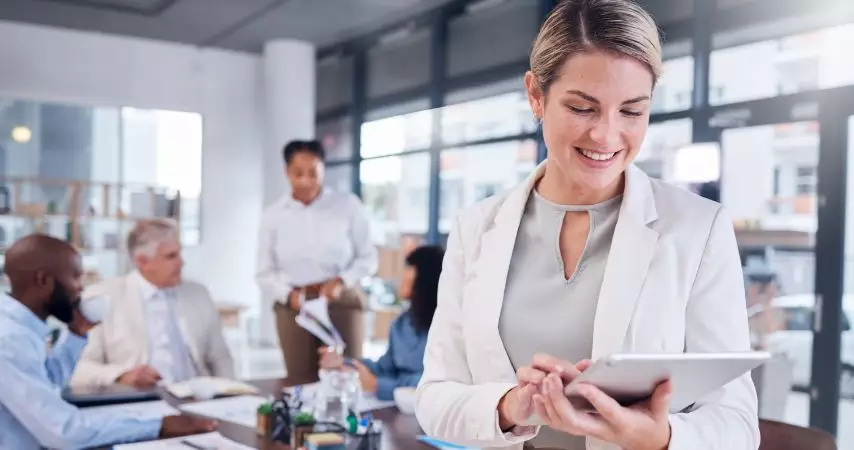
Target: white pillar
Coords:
[(289, 106), (289, 79)]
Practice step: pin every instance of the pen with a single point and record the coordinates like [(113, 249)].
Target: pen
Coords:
[(196, 446)]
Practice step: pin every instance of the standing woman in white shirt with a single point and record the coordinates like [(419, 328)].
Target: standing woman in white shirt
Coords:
[(586, 258), (314, 242)]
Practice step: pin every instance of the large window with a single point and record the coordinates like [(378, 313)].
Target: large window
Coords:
[(163, 148), (769, 180), (803, 62), (471, 174), (660, 150), (674, 88), (339, 177), (84, 174), (397, 134), (498, 116), (396, 192)]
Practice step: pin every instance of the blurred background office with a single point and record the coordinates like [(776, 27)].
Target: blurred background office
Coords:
[(116, 110)]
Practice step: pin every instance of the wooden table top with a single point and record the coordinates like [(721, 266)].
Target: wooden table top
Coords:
[(398, 434), (399, 430)]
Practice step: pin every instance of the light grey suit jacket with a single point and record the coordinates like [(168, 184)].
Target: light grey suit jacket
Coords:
[(120, 342)]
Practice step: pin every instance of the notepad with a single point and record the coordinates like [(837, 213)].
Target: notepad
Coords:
[(208, 440), (241, 410), (442, 445), (220, 386)]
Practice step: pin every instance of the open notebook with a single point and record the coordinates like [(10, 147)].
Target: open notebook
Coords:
[(213, 441), (218, 386)]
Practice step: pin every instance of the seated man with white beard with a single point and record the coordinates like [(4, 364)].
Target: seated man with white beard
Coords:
[(159, 326)]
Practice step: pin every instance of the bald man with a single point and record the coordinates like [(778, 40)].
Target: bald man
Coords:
[(46, 278)]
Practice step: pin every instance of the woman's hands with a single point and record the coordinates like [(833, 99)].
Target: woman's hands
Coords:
[(332, 360), (644, 426), (332, 289), (368, 379), (295, 298), (517, 405)]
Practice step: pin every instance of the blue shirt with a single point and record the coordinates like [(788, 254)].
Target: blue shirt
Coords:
[(403, 362), (32, 412)]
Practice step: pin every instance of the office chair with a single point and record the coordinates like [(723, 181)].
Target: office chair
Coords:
[(782, 436)]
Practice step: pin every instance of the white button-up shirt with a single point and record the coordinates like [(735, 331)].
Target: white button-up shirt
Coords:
[(302, 244), (168, 353)]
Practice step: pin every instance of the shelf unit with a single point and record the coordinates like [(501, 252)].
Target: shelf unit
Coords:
[(92, 216)]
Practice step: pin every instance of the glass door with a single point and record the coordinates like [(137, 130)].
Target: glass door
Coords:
[(769, 181)]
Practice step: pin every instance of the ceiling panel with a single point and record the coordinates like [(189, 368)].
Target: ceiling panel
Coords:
[(325, 22), (669, 11), (247, 24), (187, 21), (235, 24)]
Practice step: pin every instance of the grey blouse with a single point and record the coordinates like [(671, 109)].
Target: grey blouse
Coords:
[(543, 312)]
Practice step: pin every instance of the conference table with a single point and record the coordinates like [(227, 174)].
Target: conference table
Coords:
[(399, 430)]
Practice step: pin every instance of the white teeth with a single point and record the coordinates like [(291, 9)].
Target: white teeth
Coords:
[(596, 155)]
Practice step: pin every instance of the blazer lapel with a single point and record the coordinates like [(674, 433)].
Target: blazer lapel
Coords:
[(136, 316), (183, 311), (632, 250), (495, 255)]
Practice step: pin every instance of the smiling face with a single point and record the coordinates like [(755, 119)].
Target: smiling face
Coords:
[(305, 173), (595, 116)]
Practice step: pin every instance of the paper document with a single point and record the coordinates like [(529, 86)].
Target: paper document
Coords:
[(213, 441), (368, 402), (442, 445), (241, 410), (220, 386), (142, 410), (314, 318)]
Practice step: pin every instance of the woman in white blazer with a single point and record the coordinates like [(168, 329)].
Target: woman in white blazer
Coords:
[(586, 258)]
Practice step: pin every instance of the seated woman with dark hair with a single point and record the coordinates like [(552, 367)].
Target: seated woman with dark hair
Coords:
[(402, 363)]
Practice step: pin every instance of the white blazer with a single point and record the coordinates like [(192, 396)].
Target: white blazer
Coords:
[(121, 342), (673, 283)]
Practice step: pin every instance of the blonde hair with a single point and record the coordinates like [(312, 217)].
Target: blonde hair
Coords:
[(621, 27), (148, 234)]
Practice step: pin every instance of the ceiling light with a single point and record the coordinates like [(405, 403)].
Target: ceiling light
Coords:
[(21, 134)]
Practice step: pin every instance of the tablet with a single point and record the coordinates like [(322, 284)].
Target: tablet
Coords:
[(107, 395), (631, 378)]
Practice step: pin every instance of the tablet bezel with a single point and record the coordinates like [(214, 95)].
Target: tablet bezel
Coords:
[(713, 370)]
